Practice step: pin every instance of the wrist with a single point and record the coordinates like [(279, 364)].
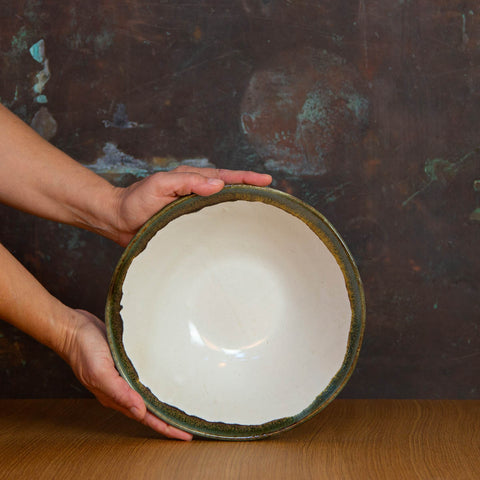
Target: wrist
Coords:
[(61, 326), (112, 225), (99, 211)]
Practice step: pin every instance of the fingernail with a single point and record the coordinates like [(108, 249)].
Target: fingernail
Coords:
[(215, 181)]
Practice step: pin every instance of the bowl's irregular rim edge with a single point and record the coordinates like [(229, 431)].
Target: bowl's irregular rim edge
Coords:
[(192, 203)]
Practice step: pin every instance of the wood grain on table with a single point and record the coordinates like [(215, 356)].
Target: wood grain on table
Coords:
[(350, 439)]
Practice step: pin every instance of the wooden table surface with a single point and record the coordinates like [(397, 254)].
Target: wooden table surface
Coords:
[(350, 439)]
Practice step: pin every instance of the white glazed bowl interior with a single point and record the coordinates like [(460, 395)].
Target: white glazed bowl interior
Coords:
[(237, 313)]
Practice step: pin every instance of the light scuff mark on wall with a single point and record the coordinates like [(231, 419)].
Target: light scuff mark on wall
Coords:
[(19, 43), (465, 36), (99, 43), (115, 164), (335, 193), (43, 76), (12, 351), (44, 124), (259, 8), (440, 171), (102, 41), (12, 102), (475, 215), (121, 120)]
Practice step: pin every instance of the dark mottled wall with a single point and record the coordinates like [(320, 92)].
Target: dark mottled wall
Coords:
[(368, 110)]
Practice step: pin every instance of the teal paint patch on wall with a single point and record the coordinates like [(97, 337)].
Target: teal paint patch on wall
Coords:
[(37, 51)]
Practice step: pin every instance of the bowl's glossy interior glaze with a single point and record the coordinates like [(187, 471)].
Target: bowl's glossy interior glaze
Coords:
[(237, 315)]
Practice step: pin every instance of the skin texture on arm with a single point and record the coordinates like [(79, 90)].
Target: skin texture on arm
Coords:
[(38, 178)]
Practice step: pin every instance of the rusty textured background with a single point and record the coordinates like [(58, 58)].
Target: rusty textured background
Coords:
[(369, 110)]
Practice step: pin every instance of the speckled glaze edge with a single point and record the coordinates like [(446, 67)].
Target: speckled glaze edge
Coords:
[(192, 203)]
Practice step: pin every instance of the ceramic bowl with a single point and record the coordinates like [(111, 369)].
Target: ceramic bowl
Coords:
[(236, 316)]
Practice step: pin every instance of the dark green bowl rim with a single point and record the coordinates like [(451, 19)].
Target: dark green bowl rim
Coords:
[(193, 203)]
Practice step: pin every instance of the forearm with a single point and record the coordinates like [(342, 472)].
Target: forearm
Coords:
[(40, 179), (28, 306)]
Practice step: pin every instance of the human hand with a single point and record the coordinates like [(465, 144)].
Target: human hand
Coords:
[(87, 352), (137, 203)]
